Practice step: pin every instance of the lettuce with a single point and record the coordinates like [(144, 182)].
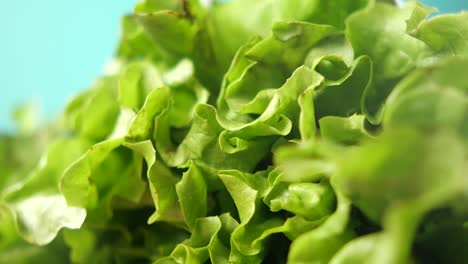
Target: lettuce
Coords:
[(297, 131)]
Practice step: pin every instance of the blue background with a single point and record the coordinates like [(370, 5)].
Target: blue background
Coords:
[(447, 5), (51, 49)]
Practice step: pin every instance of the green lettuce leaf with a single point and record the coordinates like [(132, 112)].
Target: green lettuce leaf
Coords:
[(380, 32), (270, 131)]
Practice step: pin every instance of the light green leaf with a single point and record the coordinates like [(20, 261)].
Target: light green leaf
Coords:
[(345, 130), (191, 191), (380, 32), (38, 208), (445, 34), (320, 244)]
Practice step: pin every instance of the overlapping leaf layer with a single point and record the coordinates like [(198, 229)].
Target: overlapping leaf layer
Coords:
[(269, 131)]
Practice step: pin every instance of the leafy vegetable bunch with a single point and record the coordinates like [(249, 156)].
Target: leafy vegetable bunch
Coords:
[(298, 131)]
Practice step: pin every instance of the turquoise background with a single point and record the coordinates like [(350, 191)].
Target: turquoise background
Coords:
[(447, 5), (51, 49)]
